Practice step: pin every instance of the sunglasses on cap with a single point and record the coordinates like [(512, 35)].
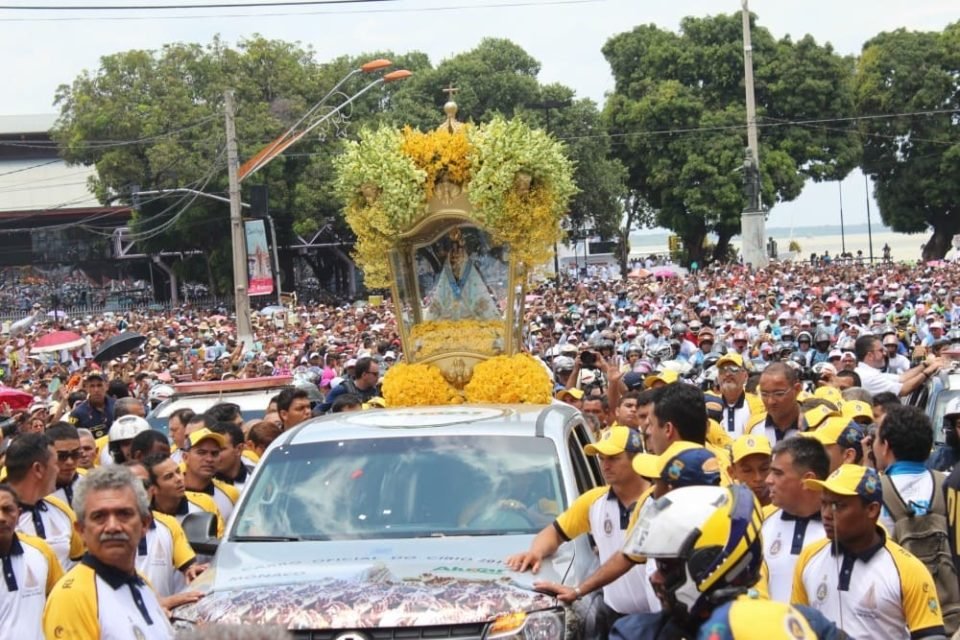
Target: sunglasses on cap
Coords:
[(731, 369)]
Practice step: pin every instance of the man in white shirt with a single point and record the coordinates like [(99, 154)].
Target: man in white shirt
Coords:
[(871, 358), (796, 522)]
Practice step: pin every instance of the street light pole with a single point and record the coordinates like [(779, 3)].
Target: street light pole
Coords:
[(241, 296)]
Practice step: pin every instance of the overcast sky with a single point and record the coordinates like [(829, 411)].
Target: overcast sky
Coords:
[(41, 50)]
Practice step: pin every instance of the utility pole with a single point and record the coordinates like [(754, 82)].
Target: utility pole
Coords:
[(237, 236), (843, 237), (866, 188), (753, 220), (546, 106)]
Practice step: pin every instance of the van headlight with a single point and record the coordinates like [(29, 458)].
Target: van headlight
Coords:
[(547, 624)]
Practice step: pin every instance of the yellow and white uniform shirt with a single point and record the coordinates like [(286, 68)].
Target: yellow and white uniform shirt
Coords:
[(94, 600), (30, 570), (600, 513), (196, 502), (52, 520), (238, 483), (784, 538), (224, 496), (883, 592), (163, 553), (65, 493)]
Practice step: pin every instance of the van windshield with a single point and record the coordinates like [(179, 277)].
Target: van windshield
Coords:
[(404, 488)]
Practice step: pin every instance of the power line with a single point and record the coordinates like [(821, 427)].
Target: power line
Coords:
[(162, 7), (461, 7), (106, 144)]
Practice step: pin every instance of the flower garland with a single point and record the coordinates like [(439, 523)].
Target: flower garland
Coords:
[(406, 385), (442, 154), (501, 380), (518, 181), (383, 190), (509, 380), (521, 187)]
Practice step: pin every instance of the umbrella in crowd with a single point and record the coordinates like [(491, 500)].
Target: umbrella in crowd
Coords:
[(16, 399), (118, 346), (271, 310), (57, 341), (57, 314), (665, 272), (639, 273)]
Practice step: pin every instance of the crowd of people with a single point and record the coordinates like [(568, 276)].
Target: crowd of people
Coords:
[(776, 403)]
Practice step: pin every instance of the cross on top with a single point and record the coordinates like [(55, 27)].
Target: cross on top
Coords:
[(450, 91)]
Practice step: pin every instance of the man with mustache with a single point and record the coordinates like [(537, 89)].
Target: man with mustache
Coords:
[(104, 596), (737, 406)]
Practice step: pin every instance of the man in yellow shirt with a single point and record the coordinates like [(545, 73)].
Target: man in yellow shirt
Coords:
[(104, 596), (856, 576)]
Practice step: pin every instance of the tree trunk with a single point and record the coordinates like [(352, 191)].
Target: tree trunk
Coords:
[(938, 245), (211, 281), (721, 251)]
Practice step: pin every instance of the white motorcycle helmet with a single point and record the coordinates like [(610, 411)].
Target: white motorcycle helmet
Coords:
[(706, 541), (122, 431), (158, 393), (127, 428)]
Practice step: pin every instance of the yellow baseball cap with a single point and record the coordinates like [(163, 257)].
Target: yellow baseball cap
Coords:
[(837, 430), (614, 441), (652, 466), (815, 417), (667, 376), (748, 445), (647, 465), (851, 480), (200, 435), (733, 358), (853, 409), (831, 394), (577, 394)]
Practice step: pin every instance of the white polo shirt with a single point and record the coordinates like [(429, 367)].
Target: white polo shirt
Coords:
[(52, 520), (784, 537), (96, 601), (29, 572), (163, 553), (875, 381), (601, 514), (884, 592)]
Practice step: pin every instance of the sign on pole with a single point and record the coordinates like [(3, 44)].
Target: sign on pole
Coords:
[(259, 266)]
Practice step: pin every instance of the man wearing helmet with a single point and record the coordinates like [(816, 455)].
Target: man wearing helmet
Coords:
[(120, 438), (705, 544)]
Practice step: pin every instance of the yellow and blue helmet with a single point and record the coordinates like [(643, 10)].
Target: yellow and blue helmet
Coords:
[(706, 542)]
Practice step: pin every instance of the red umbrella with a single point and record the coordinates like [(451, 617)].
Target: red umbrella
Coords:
[(57, 341), (18, 400)]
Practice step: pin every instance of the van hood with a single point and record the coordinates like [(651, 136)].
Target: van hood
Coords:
[(368, 584)]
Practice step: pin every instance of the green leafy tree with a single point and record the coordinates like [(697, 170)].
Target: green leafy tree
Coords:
[(914, 160), (678, 113)]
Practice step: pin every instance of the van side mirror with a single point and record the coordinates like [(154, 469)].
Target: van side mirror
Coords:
[(201, 531)]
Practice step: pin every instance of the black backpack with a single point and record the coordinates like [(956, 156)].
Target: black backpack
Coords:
[(925, 536)]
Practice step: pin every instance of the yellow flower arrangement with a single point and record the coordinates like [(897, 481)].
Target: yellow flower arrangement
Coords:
[(518, 181), (406, 385), (509, 380), (476, 336), (443, 154)]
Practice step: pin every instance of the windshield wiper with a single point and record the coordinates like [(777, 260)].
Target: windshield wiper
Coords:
[(265, 539)]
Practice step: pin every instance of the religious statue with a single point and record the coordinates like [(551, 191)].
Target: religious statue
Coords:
[(460, 292), (751, 182)]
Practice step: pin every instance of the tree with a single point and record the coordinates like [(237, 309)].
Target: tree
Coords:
[(914, 160), (166, 109), (678, 113)]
